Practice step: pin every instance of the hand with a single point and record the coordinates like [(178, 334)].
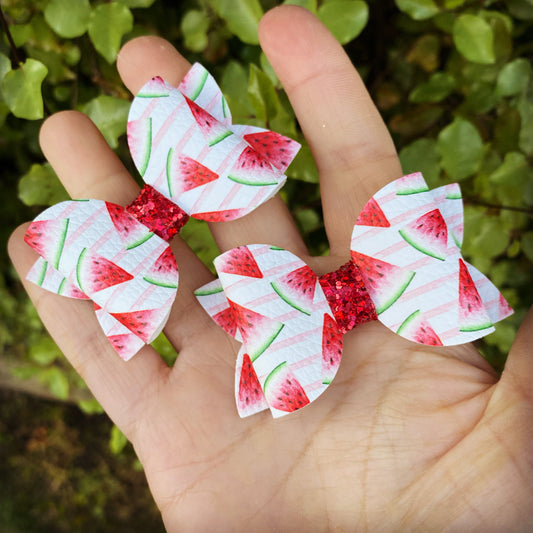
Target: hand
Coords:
[(407, 438)]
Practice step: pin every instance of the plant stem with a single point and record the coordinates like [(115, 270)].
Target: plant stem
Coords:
[(526, 210), (5, 27)]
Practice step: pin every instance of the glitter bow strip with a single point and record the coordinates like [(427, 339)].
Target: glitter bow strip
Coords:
[(194, 162), (406, 271)]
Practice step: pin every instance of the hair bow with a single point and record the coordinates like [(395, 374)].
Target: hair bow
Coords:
[(194, 162), (406, 270)]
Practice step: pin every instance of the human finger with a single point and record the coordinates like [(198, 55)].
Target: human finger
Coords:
[(352, 148)]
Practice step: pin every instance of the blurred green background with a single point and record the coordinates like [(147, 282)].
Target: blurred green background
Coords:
[(453, 80)]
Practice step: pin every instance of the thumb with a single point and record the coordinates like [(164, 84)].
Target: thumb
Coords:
[(518, 372)]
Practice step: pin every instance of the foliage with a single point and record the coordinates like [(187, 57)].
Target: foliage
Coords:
[(452, 79)]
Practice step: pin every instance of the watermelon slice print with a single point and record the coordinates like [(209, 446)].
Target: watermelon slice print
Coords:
[(275, 148), (95, 273), (331, 349), (131, 232), (283, 391), (249, 395), (220, 216), (126, 345), (472, 313), (411, 184), (47, 238), (372, 215), (140, 142), (416, 328), (71, 290), (428, 234), (144, 323), (258, 331), (226, 321), (155, 88), (212, 130), (238, 261), (385, 282), (194, 81), (164, 271), (504, 309), (184, 173), (253, 169), (297, 288)]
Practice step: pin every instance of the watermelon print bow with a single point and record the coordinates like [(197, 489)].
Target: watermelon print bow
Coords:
[(406, 270), (194, 162)]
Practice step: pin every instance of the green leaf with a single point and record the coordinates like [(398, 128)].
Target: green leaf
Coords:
[(5, 66), (68, 18), (136, 3), (57, 382), (303, 167), (514, 77), (512, 171), (41, 186), (308, 4), (110, 115), (439, 86), (425, 53), (262, 94), (485, 236), (423, 156), (194, 25), (22, 89), (90, 407), (461, 148), (117, 441), (521, 9), (418, 9), (242, 18), (474, 39), (346, 19), (527, 244), (108, 23), (44, 352)]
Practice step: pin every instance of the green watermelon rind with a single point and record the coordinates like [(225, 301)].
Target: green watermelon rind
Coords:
[(220, 137), (208, 292), (394, 296), (485, 325), (42, 274), (244, 181), (408, 322), (78, 268), (411, 240), (454, 196), (62, 240), (169, 170), (140, 241), (279, 290), (146, 150), (164, 284), (270, 381), (225, 108), (255, 351), (272, 375), (152, 95), (201, 83), (407, 191)]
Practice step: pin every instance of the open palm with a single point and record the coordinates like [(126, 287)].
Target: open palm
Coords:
[(407, 438)]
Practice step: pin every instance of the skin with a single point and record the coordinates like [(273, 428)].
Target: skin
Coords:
[(408, 438)]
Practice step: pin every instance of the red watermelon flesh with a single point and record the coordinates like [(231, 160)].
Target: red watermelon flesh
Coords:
[(68, 288), (331, 348), (238, 261), (211, 128), (372, 215), (472, 313), (226, 321), (125, 345), (131, 232), (143, 323), (505, 309), (249, 394), (258, 331), (297, 288), (95, 273), (164, 271), (155, 88), (47, 238), (220, 216), (428, 234), (385, 282), (276, 148), (416, 328), (253, 169), (185, 173), (283, 391)]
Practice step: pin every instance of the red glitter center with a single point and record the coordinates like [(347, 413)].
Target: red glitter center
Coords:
[(347, 296), (159, 214)]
